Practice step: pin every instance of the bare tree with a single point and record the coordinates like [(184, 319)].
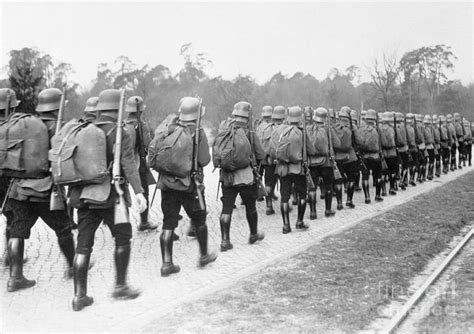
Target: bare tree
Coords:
[(384, 76)]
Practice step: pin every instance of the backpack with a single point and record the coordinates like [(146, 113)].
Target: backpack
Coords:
[(387, 136), (290, 145), (369, 139), (171, 150), (78, 154), (345, 138), (264, 133), (24, 145), (319, 137), (231, 148), (273, 140)]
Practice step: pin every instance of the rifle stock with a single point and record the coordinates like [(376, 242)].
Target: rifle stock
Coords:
[(195, 173), (362, 165), (261, 191), (383, 163), (142, 151), (120, 211), (335, 169), (309, 180)]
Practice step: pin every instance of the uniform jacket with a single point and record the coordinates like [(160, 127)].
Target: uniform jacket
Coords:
[(79, 194), (204, 157), (244, 176), (452, 134), (132, 128), (411, 137), (420, 135), (459, 132), (401, 137), (429, 137), (467, 134), (387, 134), (444, 136), (437, 136)]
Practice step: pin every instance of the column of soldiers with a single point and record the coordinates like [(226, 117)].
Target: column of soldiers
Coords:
[(332, 150)]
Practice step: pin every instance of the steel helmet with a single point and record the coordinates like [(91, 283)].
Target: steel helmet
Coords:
[(345, 112), (410, 115), (371, 115), (267, 111), (320, 114), (449, 117), (427, 119), (189, 108), (91, 104), (3, 98), (419, 117), (131, 105), (279, 112), (49, 99), (109, 99), (363, 114), (457, 116), (242, 109), (294, 114), (400, 116), (435, 117), (308, 112), (386, 116), (442, 118)]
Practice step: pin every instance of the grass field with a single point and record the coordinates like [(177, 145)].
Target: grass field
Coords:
[(341, 283)]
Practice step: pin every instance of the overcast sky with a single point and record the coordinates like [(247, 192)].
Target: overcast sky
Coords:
[(255, 38)]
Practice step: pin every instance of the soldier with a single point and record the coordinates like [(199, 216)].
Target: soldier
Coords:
[(387, 137), (412, 148), (469, 147), (293, 172), (28, 200), (429, 142), (176, 192), (90, 109), (241, 181), (345, 157), (468, 141), (460, 138), (402, 146), (444, 143), (141, 139), (437, 145), (355, 125), (420, 142), (91, 210), (453, 141), (369, 143), (319, 163)]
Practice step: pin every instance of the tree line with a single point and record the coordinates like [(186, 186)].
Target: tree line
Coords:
[(417, 82)]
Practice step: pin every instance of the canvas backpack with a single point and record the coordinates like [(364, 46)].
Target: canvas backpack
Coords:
[(369, 139), (387, 136), (264, 133), (231, 149), (319, 137), (24, 145), (344, 134), (78, 154), (290, 145), (171, 150)]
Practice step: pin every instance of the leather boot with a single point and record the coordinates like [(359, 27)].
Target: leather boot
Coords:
[(285, 214), (268, 200), (80, 268), (338, 190), (312, 204), (430, 170), (252, 220), (328, 201), (383, 184), (412, 176), (423, 173), (122, 290), (322, 188), (166, 243), (393, 182), (365, 187), (350, 194), (66, 244), (357, 181), (403, 179), (202, 237), (16, 248), (225, 232), (300, 225), (438, 168), (378, 188)]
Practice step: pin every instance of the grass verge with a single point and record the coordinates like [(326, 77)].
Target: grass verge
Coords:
[(340, 283)]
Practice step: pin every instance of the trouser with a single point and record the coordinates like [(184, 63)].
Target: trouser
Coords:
[(350, 171), (405, 158), (374, 166), (171, 203), (462, 152), (469, 154), (453, 157), (145, 183), (270, 177), (392, 170)]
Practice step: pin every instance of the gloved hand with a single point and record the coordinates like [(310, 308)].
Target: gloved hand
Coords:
[(141, 201)]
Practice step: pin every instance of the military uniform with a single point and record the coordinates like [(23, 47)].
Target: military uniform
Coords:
[(29, 199), (241, 182), (437, 145), (96, 203), (412, 148), (444, 144), (430, 144), (460, 138), (402, 147), (420, 143), (453, 141), (387, 137)]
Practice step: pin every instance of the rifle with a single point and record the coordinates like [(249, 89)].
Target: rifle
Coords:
[(309, 180), (399, 159), (195, 174), (332, 159), (142, 151), (382, 158), (410, 158), (57, 199), (362, 165), (120, 210), (261, 191), (8, 104), (5, 199)]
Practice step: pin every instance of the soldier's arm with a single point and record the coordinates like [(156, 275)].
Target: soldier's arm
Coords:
[(204, 157), (128, 163)]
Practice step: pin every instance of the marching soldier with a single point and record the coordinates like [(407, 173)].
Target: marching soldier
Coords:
[(444, 143), (90, 109), (141, 139), (92, 209), (453, 141), (177, 192), (429, 142), (437, 145), (387, 137), (402, 146), (468, 141), (355, 125), (346, 158), (293, 172), (28, 200), (319, 164), (460, 138), (412, 148), (420, 143), (241, 181), (369, 143)]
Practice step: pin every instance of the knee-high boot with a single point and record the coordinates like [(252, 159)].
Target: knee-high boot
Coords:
[(383, 183), (80, 269), (300, 225), (412, 176), (225, 232), (338, 190), (285, 214), (328, 201), (438, 168), (312, 204), (166, 243), (268, 200), (66, 244), (350, 194), (16, 248), (357, 182), (365, 187), (202, 237), (378, 188), (403, 179), (392, 180), (252, 220), (122, 258)]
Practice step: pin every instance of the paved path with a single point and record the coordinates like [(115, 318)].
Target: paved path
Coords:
[(47, 306)]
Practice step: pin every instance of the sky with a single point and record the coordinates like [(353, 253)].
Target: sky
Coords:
[(250, 38)]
